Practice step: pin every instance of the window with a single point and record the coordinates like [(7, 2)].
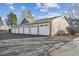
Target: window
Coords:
[(41, 25), (27, 26), (75, 22), (34, 26), (46, 25)]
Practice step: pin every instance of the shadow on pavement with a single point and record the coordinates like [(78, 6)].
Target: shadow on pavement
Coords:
[(17, 36)]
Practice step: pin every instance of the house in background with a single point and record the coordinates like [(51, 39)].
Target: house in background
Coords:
[(27, 17), (25, 21), (47, 26), (74, 25)]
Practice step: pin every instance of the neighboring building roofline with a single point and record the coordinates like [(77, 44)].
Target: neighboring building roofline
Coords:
[(24, 20)]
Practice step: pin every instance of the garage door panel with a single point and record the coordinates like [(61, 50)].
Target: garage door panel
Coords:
[(26, 30), (13, 30), (34, 29), (16, 30), (21, 30), (44, 29)]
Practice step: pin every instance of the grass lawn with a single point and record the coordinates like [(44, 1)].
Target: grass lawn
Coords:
[(3, 30)]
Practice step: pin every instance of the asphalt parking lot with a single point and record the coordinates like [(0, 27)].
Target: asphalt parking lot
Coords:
[(35, 45), (17, 36)]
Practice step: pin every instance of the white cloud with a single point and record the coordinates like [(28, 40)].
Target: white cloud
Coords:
[(50, 15), (51, 5), (66, 12), (43, 10), (54, 14), (73, 11), (75, 4), (23, 7), (3, 18), (9, 3), (43, 7), (11, 7), (39, 5), (47, 5), (72, 14)]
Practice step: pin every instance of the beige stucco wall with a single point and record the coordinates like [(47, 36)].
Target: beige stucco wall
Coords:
[(59, 24)]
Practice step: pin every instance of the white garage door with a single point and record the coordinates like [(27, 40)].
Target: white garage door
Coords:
[(16, 30), (21, 30), (26, 30), (13, 30), (44, 29), (33, 29)]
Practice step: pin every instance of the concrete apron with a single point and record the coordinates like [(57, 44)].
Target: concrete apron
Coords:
[(76, 40)]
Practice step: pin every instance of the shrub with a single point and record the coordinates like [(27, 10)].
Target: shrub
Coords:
[(70, 31), (61, 32), (3, 30)]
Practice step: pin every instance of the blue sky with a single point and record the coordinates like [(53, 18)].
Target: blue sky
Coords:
[(39, 10)]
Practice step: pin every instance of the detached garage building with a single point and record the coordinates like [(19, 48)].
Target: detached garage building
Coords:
[(48, 26)]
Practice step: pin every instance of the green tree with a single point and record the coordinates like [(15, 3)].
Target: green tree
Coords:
[(12, 19), (1, 20)]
